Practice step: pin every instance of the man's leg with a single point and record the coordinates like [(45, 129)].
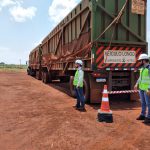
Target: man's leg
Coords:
[(147, 99), (82, 100), (143, 103), (78, 98)]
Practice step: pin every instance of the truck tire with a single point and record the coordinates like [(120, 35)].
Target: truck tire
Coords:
[(37, 75), (28, 71), (45, 77), (86, 88), (72, 90), (42, 76), (49, 77), (64, 79), (32, 73)]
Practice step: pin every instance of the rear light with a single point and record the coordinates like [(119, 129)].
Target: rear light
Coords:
[(97, 75)]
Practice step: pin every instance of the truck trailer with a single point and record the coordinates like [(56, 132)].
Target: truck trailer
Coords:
[(107, 35)]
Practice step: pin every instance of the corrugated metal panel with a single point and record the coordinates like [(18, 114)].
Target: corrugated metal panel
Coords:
[(73, 30), (122, 34), (78, 26), (131, 27), (66, 35), (70, 33), (76, 31), (111, 10), (133, 23)]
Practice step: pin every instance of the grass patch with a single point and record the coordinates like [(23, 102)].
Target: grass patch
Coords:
[(13, 68)]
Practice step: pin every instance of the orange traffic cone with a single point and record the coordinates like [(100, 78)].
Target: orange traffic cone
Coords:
[(104, 113), (105, 101)]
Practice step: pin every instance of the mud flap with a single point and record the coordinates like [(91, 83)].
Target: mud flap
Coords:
[(96, 89)]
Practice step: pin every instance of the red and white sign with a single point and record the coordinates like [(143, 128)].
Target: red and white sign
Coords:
[(113, 56)]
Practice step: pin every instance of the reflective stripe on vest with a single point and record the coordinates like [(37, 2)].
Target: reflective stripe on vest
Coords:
[(144, 81), (76, 79)]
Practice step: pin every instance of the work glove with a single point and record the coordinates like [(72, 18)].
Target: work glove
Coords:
[(148, 93), (136, 87)]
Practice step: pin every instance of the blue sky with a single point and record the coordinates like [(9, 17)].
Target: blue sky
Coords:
[(24, 23)]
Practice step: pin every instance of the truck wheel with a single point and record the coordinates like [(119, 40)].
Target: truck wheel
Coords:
[(45, 77), (86, 89), (37, 75), (64, 79), (72, 90), (49, 77), (28, 71), (32, 73)]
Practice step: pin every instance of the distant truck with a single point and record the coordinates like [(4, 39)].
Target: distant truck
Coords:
[(107, 35)]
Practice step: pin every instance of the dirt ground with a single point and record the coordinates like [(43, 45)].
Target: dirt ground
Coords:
[(35, 116)]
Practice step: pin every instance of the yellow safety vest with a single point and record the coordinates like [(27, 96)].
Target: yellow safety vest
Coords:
[(144, 82), (76, 79)]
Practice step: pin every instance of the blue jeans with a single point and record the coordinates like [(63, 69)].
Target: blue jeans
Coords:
[(80, 97), (145, 102)]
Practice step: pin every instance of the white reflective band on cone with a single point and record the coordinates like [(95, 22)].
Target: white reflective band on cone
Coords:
[(105, 99), (105, 91)]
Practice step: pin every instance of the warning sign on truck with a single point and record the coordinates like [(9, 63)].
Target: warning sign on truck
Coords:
[(138, 7), (113, 56)]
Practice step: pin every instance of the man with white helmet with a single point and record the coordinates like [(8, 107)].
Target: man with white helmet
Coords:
[(143, 84), (78, 83)]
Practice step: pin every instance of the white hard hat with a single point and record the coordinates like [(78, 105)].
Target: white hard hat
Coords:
[(79, 62), (143, 56)]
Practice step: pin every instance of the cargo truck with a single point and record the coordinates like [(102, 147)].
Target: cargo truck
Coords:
[(108, 35)]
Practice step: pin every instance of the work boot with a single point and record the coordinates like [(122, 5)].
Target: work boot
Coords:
[(147, 120), (82, 109), (76, 107), (140, 117)]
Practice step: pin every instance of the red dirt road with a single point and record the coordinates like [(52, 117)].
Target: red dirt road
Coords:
[(35, 116)]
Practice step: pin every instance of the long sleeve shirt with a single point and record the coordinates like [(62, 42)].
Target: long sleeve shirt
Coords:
[(145, 66), (81, 76)]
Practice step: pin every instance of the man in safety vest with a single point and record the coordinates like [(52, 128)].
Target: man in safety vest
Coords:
[(78, 83), (143, 84)]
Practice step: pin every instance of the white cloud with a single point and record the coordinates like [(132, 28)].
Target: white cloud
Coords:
[(18, 13), (4, 3), (59, 9), (21, 14)]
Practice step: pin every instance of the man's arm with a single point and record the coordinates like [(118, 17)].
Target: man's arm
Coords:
[(137, 83), (80, 78)]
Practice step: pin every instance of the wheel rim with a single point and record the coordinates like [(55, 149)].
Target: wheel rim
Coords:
[(84, 90), (44, 77)]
